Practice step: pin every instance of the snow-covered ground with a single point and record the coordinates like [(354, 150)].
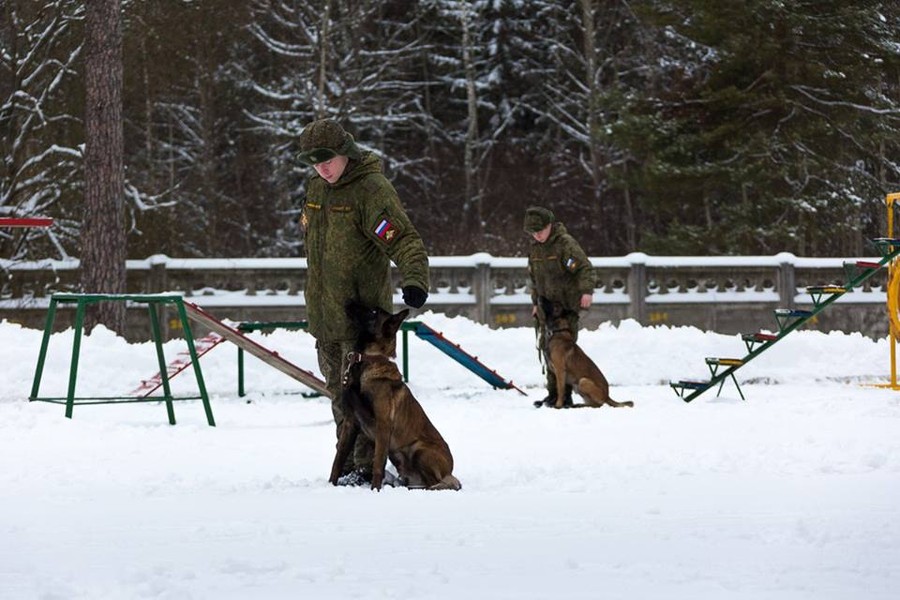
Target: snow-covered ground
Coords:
[(793, 493)]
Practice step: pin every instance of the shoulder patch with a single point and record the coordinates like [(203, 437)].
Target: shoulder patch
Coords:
[(571, 264), (385, 230)]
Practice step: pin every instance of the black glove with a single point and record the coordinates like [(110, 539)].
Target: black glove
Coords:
[(414, 296)]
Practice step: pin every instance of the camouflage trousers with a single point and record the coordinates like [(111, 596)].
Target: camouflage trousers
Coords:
[(332, 362), (542, 351)]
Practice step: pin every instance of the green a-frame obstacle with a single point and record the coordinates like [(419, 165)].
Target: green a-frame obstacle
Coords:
[(788, 320)]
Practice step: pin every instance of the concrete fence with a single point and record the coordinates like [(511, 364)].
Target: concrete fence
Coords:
[(724, 294)]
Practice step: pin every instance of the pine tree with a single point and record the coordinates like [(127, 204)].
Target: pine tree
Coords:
[(771, 140), (103, 227)]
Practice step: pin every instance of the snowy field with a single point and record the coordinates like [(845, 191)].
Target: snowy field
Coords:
[(793, 493)]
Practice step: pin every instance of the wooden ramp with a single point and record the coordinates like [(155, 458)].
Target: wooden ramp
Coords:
[(270, 357), (454, 351)]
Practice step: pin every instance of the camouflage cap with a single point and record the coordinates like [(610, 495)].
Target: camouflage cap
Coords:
[(536, 218), (323, 140)]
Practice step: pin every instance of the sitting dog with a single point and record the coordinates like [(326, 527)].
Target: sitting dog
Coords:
[(569, 362), (378, 403)]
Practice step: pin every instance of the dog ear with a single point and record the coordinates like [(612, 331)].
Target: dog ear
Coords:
[(392, 323)]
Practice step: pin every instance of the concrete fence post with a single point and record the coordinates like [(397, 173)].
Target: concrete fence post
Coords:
[(158, 282), (787, 280), (482, 289), (159, 279), (637, 287)]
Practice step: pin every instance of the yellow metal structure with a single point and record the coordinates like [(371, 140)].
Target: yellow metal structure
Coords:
[(893, 294)]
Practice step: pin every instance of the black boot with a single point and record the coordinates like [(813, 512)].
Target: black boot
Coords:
[(356, 477), (550, 400)]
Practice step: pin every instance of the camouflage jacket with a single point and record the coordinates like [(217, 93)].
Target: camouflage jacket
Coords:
[(353, 229), (559, 269)]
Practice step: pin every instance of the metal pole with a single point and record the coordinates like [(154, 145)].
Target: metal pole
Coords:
[(161, 359), (76, 348), (890, 233), (195, 360), (48, 329)]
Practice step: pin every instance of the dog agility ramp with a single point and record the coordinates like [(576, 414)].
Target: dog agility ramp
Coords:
[(271, 358), (437, 339), (788, 320)]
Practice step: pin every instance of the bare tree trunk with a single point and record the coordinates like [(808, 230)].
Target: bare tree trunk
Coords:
[(103, 229), (631, 237), (324, 40), (592, 122), (472, 200)]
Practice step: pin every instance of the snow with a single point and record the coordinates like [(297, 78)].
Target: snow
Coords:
[(793, 493)]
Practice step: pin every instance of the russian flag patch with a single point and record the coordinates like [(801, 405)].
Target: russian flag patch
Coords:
[(571, 264), (385, 230)]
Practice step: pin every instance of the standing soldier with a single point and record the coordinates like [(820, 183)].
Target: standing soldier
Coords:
[(354, 226), (561, 272)]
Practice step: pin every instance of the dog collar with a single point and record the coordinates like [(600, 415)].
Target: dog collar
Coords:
[(551, 331), (355, 358)]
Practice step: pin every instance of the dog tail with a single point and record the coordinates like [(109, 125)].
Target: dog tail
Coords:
[(628, 403), (449, 482), (609, 401)]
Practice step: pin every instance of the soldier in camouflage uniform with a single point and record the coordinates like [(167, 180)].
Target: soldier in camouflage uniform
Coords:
[(561, 272), (354, 226)]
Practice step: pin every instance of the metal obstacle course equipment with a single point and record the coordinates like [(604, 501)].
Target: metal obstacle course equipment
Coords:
[(187, 311), (152, 301), (893, 295), (789, 320)]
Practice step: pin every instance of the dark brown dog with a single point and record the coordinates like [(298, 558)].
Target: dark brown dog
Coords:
[(569, 362), (377, 403)]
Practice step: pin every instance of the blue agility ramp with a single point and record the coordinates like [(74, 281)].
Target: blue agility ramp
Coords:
[(454, 351)]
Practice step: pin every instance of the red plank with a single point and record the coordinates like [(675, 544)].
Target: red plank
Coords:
[(33, 222), (863, 264)]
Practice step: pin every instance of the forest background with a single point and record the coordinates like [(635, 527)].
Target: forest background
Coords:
[(665, 126)]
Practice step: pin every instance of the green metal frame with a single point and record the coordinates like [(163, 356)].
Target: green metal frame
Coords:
[(153, 301), (788, 320), (249, 326)]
